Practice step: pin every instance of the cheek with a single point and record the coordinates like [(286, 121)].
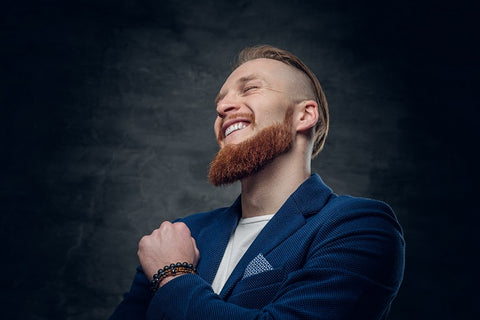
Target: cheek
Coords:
[(273, 108), (270, 118), (216, 127)]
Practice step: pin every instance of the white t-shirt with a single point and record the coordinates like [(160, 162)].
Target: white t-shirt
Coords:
[(241, 239)]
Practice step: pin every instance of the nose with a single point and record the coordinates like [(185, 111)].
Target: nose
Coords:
[(224, 109), (226, 106)]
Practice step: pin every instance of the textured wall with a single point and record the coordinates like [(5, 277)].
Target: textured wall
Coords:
[(107, 113)]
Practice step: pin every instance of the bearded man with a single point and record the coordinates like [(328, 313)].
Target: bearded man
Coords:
[(288, 248)]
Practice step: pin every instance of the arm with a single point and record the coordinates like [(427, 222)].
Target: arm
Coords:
[(136, 301), (352, 270), (168, 244)]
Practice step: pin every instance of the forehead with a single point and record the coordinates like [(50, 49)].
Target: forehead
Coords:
[(266, 69)]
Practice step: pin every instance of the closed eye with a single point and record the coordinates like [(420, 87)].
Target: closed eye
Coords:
[(249, 88)]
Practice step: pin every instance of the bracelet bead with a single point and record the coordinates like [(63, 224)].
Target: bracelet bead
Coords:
[(171, 270)]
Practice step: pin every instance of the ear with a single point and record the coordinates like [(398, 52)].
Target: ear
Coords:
[(307, 116)]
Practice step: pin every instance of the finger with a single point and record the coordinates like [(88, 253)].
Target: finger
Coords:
[(194, 243), (197, 252), (182, 227), (165, 225)]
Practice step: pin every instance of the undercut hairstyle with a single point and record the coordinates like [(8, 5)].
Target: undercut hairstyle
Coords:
[(269, 52)]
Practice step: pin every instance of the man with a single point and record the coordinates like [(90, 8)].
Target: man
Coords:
[(288, 248)]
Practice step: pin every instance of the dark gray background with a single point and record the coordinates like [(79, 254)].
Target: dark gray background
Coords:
[(107, 112)]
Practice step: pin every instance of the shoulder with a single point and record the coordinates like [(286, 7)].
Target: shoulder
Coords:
[(347, 203), (340, 208), (347, 217), (365, 235)]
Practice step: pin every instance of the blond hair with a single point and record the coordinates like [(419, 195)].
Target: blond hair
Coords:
[(269, 52)]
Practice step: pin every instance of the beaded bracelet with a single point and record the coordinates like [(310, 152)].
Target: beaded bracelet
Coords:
[(171, 270)]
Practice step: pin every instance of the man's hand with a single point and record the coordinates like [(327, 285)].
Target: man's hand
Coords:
[(171, 243)]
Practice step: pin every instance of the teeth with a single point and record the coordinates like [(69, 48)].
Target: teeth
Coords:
[(235, 127)]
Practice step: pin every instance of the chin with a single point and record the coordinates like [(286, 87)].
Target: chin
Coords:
[(243, 159)]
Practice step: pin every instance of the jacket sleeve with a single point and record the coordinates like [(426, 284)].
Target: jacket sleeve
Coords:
[(136, 301), (353, 269)]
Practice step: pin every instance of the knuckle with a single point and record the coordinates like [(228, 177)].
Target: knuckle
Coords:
[(165, 224), (182, 227)]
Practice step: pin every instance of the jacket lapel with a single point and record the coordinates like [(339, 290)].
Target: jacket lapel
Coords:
[(214, 240), (308, 199)]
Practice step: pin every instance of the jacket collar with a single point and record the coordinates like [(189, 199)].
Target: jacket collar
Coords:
[(307, 200)]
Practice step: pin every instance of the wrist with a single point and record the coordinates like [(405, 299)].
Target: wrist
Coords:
[(167, 279), (170, 272)]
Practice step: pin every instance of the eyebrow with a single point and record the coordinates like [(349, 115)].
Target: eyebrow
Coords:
[(242, 80)]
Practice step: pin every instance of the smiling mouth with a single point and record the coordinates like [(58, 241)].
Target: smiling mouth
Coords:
[(235, 127)]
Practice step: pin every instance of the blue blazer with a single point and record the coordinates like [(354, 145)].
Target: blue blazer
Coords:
[(322, 256)]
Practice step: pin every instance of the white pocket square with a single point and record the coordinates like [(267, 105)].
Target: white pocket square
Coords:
[(258, 265)]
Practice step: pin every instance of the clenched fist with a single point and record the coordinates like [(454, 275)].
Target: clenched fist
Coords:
[(171, 243)]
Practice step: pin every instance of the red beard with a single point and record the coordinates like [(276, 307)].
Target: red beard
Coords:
[(237, 161)]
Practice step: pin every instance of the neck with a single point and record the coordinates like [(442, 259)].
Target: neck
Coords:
[(266, 191)]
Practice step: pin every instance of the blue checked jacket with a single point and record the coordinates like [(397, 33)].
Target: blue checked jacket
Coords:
[(322, 256)]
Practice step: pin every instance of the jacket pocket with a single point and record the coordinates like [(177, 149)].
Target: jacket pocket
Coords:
[(258, 290)]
